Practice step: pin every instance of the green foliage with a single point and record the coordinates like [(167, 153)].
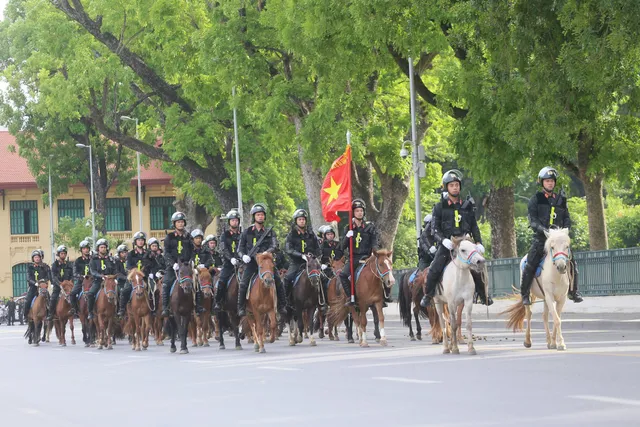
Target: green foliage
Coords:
[(71, 233), (405, 246), (623, 224)]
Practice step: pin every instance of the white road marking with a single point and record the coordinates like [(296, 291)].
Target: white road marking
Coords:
[(406, 380), (279, 368), (606, 399)]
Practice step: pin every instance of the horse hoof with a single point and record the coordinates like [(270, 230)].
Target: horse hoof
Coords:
[(413, 338), (313, 344), (562, 347), (419, 336), (262, 350), (455, 351), (239, 347), (144, 348), (173, 349), (292, 343), (351, 341), (184, 351), (336, 338), (73, 342), (472, 352), (383, 342), (551, 346), (364, 344), (446, 351), (37, 344), (527, 344), (110, 347), (207, 344), (86, 345), (222, 347)]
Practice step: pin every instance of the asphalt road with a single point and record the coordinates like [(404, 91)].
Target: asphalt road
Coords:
[(594, 383)]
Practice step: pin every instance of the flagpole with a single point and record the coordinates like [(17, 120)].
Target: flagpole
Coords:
[(353, 277)]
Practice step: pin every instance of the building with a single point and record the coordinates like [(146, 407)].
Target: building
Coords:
[(24, 218)]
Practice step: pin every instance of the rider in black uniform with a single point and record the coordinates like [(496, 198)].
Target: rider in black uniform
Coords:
[(229, 245), (546, 209), (157, 261), (426, 244), (178, 247), (101, 265), (80, 271), (138, 258), (37, 272), (331, 250), (452, 217), (61, 270), (211, 243), (201, 259)]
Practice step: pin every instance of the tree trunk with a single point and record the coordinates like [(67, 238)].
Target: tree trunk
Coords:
[(100, 199), (598, 240), (395, 191), (312, 178), (500, 211), (197, 216)]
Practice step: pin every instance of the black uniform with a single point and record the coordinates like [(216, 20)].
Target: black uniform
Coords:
[(177, 249), (248, 240), (299, 243), (60, 271), (80, 270), (452, 219), (157, 263), (218, 261), (545, 210), (35, 273), (425, 243), (365, 241), (11, 312), (100, 266), (202, 256), (282, 262), (229, 244), (331, 250), (139, 260)]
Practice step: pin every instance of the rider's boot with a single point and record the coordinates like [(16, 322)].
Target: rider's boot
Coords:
[(574, 295), (346, 285), (166, 297), (220, 291), (199, 309), (124, 299), (432, 281), (52, 308), (525, 284), (91, 300), (282, 298), (74, 305), (242, 299)]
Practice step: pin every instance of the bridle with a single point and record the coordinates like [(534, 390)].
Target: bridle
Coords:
[(469, 259), (379, 273)]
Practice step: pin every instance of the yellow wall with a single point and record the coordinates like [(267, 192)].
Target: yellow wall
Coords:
[(16, 249)]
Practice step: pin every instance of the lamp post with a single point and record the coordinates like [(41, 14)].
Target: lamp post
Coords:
[(138, 161), (414, 154), (53, 243), (235, 133), (93, 206)]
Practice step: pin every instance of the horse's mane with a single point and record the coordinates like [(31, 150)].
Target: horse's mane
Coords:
[(459, 239), (204, 273), (384, 252), (133, 273), (554, 234), (265, 254)]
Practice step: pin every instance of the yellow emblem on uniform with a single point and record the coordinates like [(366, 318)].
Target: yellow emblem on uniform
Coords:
[(303, 246), (457, 218), (179, 247), (104, 267), (358, 240)]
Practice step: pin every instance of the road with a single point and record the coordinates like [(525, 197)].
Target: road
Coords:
[(593, 383)]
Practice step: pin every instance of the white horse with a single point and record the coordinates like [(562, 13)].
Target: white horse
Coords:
[(552, 287), (458, 288)]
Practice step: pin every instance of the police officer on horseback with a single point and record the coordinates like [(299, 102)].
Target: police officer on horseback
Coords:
[(248, 240), (365, 241), (201, 259), (61, 270), (300, 242), (426, 244), (229, 245), (37, 272), (178, 248), (546, 209), (157, 260), (101, 265), (452, 217), (331, 251), (121, 263), (211, 243), (137, 258), (80, 270)]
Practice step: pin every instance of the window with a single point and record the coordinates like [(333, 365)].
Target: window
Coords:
[(19, 273), (73, 209), (161, 210), (118, 215), (24, 217)]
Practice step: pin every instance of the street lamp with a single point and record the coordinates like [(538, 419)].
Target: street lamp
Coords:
[(235, 134), (53, 243), (93, 206), (414, 154), (138, 161)]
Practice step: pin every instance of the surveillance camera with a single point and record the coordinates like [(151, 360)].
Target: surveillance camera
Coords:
[(404, 153)]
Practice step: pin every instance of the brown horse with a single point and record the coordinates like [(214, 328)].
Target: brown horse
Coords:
[(305, 299), (203, 320), (376, 274), (333, 292), (181, 302), (105, 311), (62, 314), (411, 293), (157, 322), (262, 301), (229, 315), (37, 313), (139, 311), (88, 326)]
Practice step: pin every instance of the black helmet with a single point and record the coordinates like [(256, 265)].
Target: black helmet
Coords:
[(153, 240), (258, 207), (101, 242), (427, 219), (453, 175), (34, 253), (233, 213), (211, 238), (85, 244), (300, 213), (61, 248), (321, 230), (197, 233), (177, 216), (122, 248), (328, 229), (358, 203), (547, 172), (139, 235)]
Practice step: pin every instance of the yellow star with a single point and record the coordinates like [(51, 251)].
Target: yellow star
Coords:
[(333, 191)]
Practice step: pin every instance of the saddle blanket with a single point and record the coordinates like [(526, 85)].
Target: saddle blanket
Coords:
[(523, 264)]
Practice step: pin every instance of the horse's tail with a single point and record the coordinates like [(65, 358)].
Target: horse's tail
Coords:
[(516, 313), (338, 312), (30, 329), (434, 321), (404, 301)]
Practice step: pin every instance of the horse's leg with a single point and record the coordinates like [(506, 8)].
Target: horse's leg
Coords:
[(292, 331), (309, 320), (453, 312), (468, 306), (416, 316), (362, 326), (184, 324), (459, 326), (411, 336), (172, 325), (101, 331), (146, 328), (110, 332), (527, 334), (557, 320), (300, 331), (138, 332), (551, 343), (376, 323), (443, 324), (383, 335), (274, 325), (206, 329), (73, 337), (348, 323)]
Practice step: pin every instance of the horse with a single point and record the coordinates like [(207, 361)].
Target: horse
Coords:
[(230, 312), (306, 296), (181, 302), (374, 277), (458, 288), (552, 287), (88, 326), (333, 289), (262, 301), (62, 314), (37, 313), (410, 293), (156, 320), (203, 320), (106, 302), (139, 310)]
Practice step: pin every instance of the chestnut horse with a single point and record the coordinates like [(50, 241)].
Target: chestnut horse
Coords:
[(411, 293), (262, 301), (62, 314), (106, 307), (139, 311), (229, 315), (157, 322), (376, 274), (306, 296), (181, 303), (88, 326), (37, 313), (203, 320)]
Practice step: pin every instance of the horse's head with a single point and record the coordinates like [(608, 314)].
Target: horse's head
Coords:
[(110, 284), (384, 267), (65, 289), (558, 245), (206, 284), (467, 253), (313, 270), (185, 276), (136, 277), (337, 264), (265, 268), (43, 286), (86, 283)]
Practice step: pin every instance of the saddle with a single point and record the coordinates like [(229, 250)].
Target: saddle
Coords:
[(358, 271), (413, 276), (523, 264), (251, 283)]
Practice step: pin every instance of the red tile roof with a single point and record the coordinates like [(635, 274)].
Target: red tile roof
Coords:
[(14, 172)]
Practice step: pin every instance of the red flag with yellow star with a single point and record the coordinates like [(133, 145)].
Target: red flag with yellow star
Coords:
[(336, 188)]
